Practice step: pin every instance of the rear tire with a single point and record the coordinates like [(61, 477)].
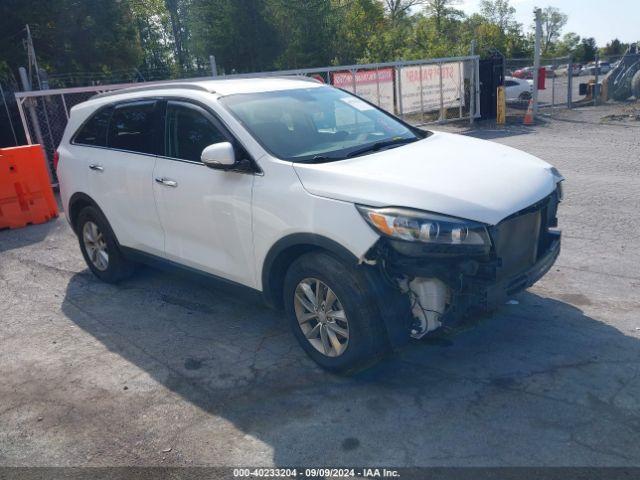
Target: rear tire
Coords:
[(354, 335), (100, 248)]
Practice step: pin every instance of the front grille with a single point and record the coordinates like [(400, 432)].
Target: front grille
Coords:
[(522, 238), (516, 243)]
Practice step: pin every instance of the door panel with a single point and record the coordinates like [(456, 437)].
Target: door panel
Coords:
[(124, 192), (205, 213), (121, 182)]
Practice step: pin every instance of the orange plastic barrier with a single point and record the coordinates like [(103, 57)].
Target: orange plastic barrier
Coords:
[(26, 195)]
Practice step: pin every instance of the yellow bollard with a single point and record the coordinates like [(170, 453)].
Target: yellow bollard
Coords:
[(501, 110)]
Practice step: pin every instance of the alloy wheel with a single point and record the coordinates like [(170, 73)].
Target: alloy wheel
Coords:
[(95, 245), (321, 317)]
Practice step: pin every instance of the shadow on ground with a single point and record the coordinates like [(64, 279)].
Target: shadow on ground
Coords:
[(488, 130), (16, 238), (539, 383)]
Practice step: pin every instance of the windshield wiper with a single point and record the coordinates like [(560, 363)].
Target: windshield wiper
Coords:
[(374, 147), (318, 159)]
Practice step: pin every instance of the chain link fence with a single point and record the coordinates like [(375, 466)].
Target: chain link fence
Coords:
[(421, 92), (570, 84), (559, 89)]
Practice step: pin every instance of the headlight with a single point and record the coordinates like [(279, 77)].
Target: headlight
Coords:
[(438, 233)]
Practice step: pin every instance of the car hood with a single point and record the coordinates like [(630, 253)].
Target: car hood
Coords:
[(444, 173)]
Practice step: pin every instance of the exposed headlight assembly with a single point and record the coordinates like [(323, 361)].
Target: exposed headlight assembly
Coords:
[(559, 179), (433, 233)]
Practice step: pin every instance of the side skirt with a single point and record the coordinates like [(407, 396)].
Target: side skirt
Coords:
[(210, 280)]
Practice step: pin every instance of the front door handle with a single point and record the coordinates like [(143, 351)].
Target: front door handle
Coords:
[(167, 182), (96, 167)]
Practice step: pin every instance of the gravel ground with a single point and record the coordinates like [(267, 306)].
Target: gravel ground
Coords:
[(166, 370)]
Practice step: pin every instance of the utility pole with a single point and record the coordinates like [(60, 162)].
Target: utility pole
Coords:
[(26, 86), (596, 69), (31, 58), (536, 59)]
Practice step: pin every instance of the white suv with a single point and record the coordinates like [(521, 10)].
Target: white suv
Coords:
[(365, 230)]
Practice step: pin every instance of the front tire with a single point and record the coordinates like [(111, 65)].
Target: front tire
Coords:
[(100, 248), (333, 313)]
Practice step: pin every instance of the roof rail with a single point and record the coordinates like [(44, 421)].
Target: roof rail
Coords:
[(156, 86), (302, 78)]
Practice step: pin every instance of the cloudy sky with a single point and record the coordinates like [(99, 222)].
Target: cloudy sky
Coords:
[(601, 19)]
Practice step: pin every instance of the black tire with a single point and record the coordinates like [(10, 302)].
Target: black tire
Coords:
[(525, 96), (118, 268), (368, 340)]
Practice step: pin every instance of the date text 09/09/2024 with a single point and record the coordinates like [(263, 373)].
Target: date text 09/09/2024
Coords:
[(315, 472)]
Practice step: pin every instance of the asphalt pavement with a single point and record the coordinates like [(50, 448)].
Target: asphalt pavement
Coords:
[(168, 370)]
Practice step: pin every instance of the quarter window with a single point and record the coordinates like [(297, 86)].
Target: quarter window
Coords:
[(188, 132), (132, 127), (94, 131)]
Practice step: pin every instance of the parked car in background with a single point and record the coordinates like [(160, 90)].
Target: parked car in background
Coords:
[(364, 230), (587, 70), (563, 70), (550, 71), (605, 67), (518, 89), (526, 72), (601, 68)]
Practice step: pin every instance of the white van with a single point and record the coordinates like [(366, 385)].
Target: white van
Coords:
[(365, 230)]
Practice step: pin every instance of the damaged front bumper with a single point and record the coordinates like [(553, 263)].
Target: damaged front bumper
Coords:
[(442, 290), (491, 295)]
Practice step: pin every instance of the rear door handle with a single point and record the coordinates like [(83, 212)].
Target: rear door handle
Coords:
[(167, 182), (96, 167)]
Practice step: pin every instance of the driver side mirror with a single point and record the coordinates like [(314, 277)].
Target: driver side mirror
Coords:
[(221, 156)]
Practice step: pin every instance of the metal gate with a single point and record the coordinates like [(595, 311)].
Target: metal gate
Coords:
[(491, 77)]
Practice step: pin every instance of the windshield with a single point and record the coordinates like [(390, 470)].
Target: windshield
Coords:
[(318, 124)]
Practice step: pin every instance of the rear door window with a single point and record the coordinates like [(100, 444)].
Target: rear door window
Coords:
[(94, 131), (132, 127)]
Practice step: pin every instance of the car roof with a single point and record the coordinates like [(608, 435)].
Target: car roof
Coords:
[(218, 87), (221, 87)]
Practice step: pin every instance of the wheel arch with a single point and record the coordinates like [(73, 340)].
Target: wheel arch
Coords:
[(285, 251), (79, 201)]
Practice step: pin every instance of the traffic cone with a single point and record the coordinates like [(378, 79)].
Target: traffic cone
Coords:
[(528, 117)]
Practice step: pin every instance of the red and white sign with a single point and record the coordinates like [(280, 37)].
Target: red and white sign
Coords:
[(375, 86), (428, 76)]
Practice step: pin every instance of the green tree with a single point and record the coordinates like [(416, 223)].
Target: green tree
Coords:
[(236, 32), (400, 9), (567, 45), (156, 38), (586, 50), (304, 32), (499, 12), (442, 10), (177, 11), (71, 35), (615, 47), (357, 22), (553, 21), (495, 27)]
